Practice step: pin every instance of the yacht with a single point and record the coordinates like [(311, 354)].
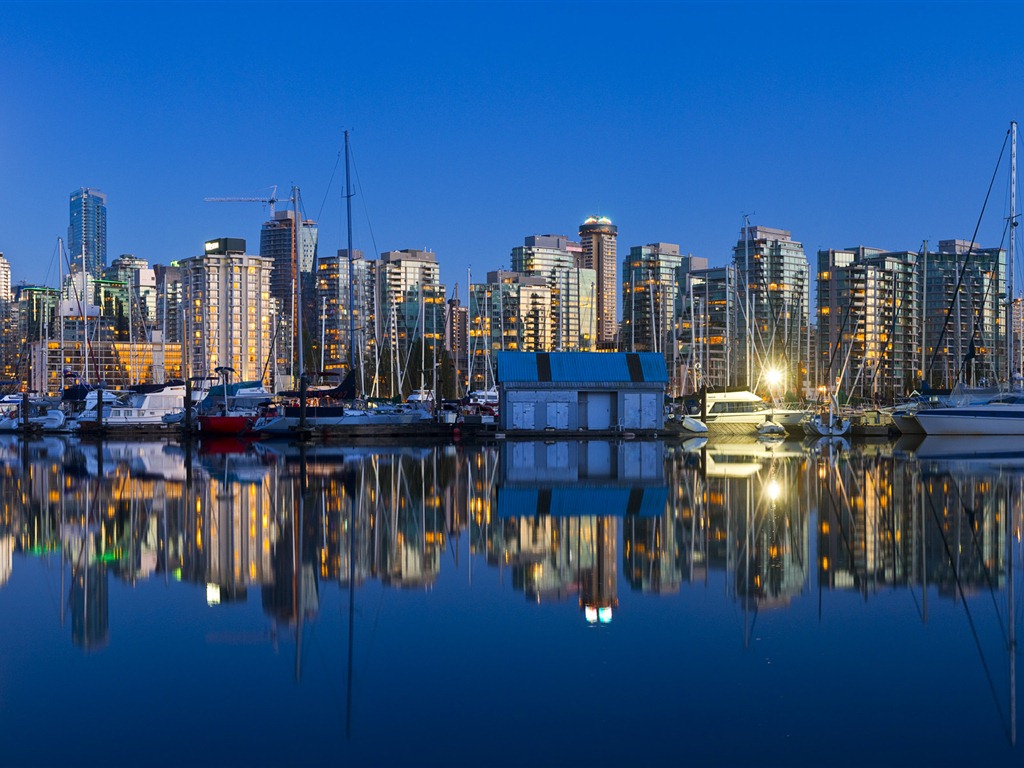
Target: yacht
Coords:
[(1002, 415), (141, 406), (739, 413)]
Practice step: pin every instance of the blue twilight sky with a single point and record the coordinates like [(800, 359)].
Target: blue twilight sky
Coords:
[(476, 124)]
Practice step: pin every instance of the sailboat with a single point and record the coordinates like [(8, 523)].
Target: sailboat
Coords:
[(1004, 413), (830, 423)]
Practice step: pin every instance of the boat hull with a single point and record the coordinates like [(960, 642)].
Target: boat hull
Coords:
[(993, 419)]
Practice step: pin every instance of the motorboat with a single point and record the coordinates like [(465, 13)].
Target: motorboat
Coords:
[(42, 414), (141, 405), (1002, 415), (742, 412)]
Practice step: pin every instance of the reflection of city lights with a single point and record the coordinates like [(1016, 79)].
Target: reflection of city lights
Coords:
[(212, 594), (773, 490), (595, 615)]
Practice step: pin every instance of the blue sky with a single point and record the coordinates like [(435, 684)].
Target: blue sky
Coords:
[(476, 124)]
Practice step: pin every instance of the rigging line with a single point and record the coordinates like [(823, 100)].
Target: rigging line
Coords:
[(967, 259), (972, 520), (359, 186), (330, 183), (970, 618)]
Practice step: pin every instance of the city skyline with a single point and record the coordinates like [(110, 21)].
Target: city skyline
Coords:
[(833, 128)]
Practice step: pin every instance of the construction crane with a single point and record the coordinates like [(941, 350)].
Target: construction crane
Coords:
[(270, 201)]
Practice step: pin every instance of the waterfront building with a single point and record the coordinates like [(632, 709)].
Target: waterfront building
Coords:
[(456, 341), (868, 322), (8, 324), (293, 264), (228, 311), (572, 391), (141, 280), (774, 305), (339, 310), (706, 335), (573, 287), (410, 319), (87, 231), (650, 294), (169, 309), (964, 320), (511, 311), (597, 237)]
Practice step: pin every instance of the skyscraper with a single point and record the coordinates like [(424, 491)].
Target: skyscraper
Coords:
[(557, 259), (276, 243), (775, 289), (228, 310), (87, 232), (650, 292), (597, 236)]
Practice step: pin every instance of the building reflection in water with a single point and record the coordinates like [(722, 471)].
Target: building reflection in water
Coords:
[(561, 517)]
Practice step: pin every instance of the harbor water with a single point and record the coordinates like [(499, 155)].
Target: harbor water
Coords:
[(730, 602)]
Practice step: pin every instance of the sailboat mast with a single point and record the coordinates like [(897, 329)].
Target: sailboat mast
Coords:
[(351, 268), (746, 291), (1010, 254), (297, 274)]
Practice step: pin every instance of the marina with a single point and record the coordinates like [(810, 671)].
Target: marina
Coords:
[(337, 589)]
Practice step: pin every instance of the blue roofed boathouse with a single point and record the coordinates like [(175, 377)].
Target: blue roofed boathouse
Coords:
[(581, 391)]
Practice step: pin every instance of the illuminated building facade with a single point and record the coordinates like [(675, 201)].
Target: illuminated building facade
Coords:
[(87, 231), (228, 310), (511, 311), (411, 302), (339, 310), (957, 319), (868, 322), (598, 237), (775, 281), (573, 288), (650, 293)]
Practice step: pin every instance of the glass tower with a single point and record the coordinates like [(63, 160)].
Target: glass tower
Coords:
[(87, 232)]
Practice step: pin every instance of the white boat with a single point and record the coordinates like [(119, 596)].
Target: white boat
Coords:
[(742, 412), (286, 420), (142, 405), (42, 414), (1002, 415), (904, 415), (830, 423)]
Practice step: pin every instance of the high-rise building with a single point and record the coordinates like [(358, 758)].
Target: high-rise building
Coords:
[(277, 244), (87, 232), (706, 328), (511, 311), (597, 236), (292, 270), (229, 312), (573, 288), (410, 312), (8, 324), (344, 315), (141, 280), (650, 292), (169, 309), (773, 304), (456, 340), (868, 322), (5, 279), (964, 334)]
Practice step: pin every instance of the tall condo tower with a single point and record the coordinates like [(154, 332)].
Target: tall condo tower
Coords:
[(597, 236), (87, 232), (276, 243)]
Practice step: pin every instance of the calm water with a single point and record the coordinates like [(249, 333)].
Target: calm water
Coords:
[(529, 604)]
